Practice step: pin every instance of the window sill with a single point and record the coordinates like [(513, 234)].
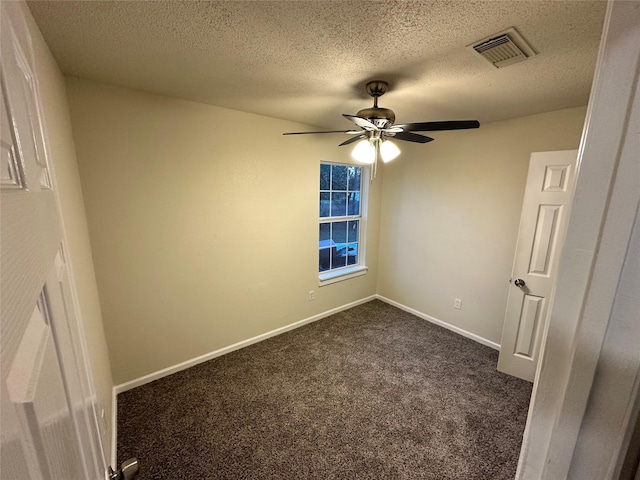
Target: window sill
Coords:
[(339, 275)]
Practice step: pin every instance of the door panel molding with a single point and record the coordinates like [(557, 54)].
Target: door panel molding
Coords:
[(544, 239), (532, 307)]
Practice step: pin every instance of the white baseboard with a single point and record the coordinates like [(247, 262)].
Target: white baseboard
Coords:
[(446, 325), (114, 428), (236, 346)]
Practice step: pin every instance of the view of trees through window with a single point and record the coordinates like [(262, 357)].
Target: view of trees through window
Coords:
[(340, 188)]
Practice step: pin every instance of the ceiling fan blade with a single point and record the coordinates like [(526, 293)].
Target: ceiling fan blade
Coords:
[(361, 122), (351, 132), (412, 137), (353, 139), (435, 126)]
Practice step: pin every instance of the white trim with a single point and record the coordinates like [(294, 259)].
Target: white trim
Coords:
[(114, 428), (236, 346), (334, 276), (440, 323)]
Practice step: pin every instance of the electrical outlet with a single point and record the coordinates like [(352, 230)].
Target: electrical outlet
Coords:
[(457, 303), (312, 295)]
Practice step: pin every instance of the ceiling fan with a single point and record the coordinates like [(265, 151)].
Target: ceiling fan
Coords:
[(377, 127)]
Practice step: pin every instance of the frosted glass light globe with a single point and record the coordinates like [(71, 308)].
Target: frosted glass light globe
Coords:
[(364, 152)]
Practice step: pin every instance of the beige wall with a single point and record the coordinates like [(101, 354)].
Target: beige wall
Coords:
[(209, 238), (450, 214), (69, 194), (203, 224)]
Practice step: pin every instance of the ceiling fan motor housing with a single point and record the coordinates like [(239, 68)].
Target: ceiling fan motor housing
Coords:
[(380, 117)]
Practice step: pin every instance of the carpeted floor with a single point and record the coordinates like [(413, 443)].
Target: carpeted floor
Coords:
[(369, 393)]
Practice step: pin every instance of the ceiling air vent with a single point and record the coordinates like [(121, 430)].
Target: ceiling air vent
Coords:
[(504, 48)]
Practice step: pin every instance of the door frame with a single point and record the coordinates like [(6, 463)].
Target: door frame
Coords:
[(588, 307)]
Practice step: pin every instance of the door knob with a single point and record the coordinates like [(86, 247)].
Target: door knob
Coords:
[(519, 282)]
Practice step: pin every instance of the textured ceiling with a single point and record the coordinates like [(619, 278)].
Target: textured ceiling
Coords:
[(308, 61)]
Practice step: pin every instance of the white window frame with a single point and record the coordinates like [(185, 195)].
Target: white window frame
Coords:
[(350, 271)]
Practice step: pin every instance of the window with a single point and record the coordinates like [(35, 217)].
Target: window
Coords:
[(340, 232)]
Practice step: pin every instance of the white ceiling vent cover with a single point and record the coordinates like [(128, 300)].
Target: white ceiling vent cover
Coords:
[(504, 48)]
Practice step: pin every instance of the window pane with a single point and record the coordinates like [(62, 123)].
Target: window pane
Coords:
[(325, 231), (352, 254), (325, 234), (325, 177), (339, 177), (354, 203), (353, 231), (325, 259), (355, 173), (339, 256), (339, 232), (324, 204), (338, 204)]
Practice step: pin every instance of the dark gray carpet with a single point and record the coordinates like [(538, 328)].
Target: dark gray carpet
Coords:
[(369, 393)]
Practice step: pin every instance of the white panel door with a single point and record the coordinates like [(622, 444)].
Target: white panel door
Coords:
[(49, 427), (545, 211)]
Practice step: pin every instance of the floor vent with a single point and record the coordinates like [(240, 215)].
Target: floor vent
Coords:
[(504, 48)]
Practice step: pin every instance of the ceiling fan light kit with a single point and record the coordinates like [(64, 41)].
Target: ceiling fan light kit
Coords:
[(388, 151), (363, 152), (377, 127)]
